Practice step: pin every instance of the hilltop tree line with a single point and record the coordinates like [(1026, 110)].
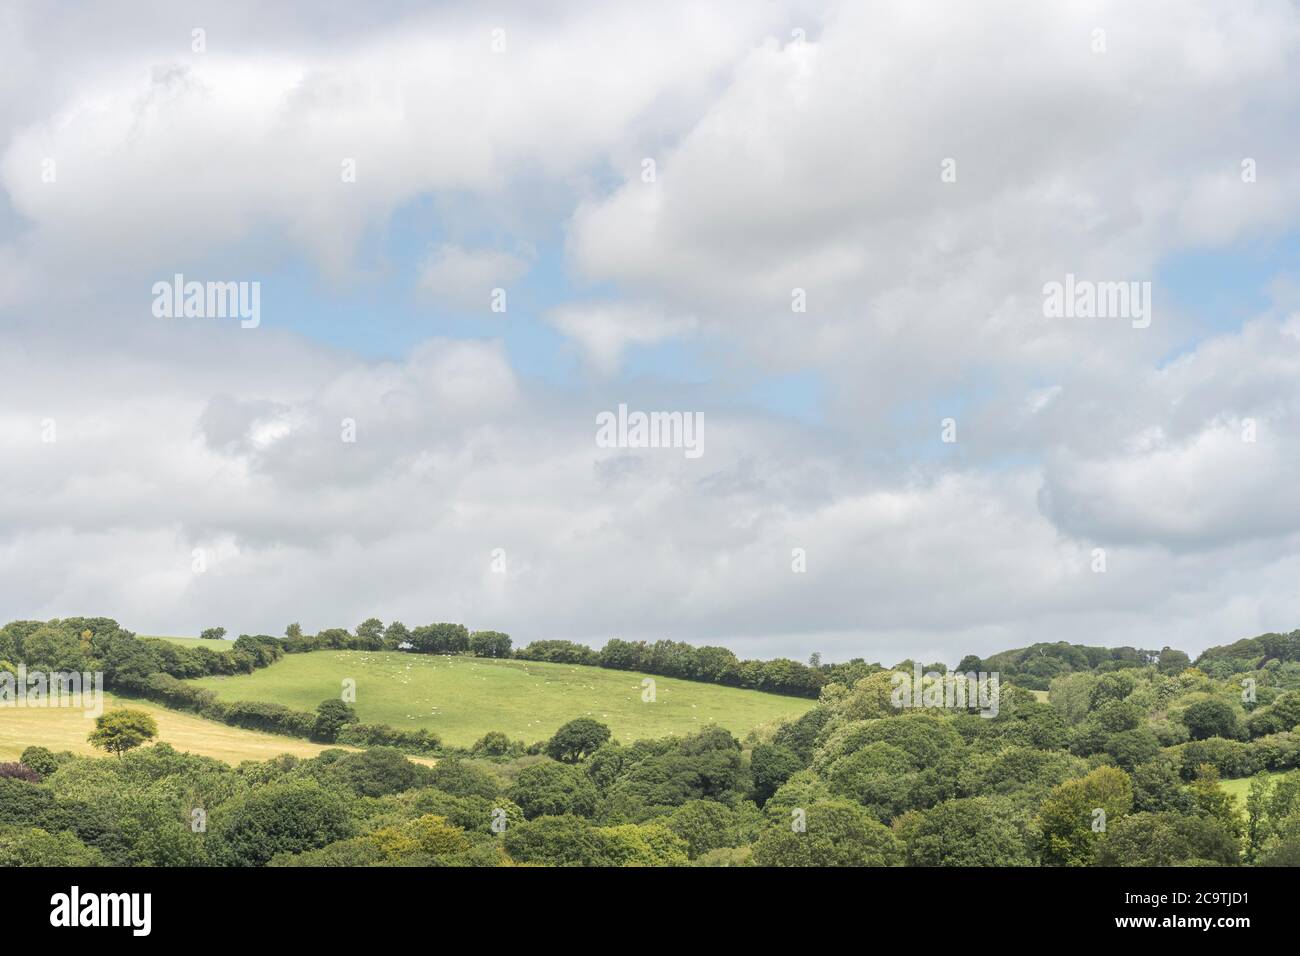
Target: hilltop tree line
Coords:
[(158, 669)]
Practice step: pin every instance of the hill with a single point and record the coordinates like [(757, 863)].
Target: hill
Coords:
[(1034, 667), (1253, 653), (462, 698)]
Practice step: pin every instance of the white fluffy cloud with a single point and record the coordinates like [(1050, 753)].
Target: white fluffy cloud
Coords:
[(781, 163)]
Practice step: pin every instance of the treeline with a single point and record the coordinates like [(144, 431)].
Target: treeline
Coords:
[(714, 665), (1034, 667), (372, 635), (1278, 653), (101, 644)]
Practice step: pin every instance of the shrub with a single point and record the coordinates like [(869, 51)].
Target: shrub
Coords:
[(19, 771), (272, 718), (36, 847), (493, 744), (382, 735), (40, 759), (23, 803)]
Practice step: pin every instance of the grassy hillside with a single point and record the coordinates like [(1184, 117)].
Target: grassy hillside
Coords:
[(462, 698), (222, 645), (1238, 787), (67, 728)]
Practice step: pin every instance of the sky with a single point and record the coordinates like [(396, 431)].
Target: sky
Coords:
[(825, 230)]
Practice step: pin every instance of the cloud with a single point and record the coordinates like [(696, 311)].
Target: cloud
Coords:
[(604, 330), (165, 154), (466, 278), (781, 164), (820, 169)]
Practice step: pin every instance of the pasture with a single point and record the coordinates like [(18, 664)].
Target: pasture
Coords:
[(462, 698), (65, 728)]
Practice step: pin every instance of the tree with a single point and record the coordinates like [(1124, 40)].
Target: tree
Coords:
[(440, 639), (1128, 748), (294, 631), (287, 817), (395, 635), (880, 777), (1116, 685), (36, 847), (577, 740), (213, 633), (771, 765), (331, 716), (370, 634), (834, 833), (555, 841), (52, 648), (648, 844), (120, 730), (551, 789), (377, 771), (1075, 814), (1211, 718), (1213, 802), (1166, 839), (1283, 714), (493, 744), (489, 644), (800, 736), (708, 825), (463, 778), (1173, 661), (429, 835), (969, 832), (1157, 787)]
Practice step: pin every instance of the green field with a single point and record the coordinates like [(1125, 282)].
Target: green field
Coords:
[(1238, 787), (462, 698), (222, 645), (60, 728)]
